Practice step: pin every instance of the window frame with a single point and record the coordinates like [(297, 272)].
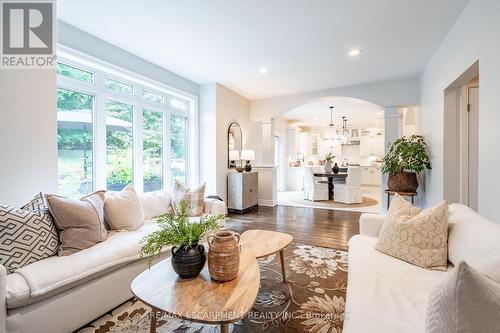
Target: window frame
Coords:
[(101, 71)]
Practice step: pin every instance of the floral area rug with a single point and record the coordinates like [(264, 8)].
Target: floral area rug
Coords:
[(312, 299)]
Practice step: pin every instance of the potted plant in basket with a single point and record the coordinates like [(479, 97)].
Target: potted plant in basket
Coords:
[(188, 257), (328, 162), (407, 156)]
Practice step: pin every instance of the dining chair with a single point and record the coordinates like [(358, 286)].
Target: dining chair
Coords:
[(314, 190), (349, 192)]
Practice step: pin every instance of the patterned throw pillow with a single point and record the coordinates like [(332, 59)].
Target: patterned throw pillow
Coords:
[(195, 198), (419, 237), (27, 234), (466, 301)]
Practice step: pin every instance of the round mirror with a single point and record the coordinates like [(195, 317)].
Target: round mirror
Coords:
[(234, 144)]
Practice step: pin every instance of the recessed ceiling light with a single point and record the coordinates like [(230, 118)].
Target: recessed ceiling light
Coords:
[(377, 121), (354, 52), (316, 118), (380, 113), (263, 70)]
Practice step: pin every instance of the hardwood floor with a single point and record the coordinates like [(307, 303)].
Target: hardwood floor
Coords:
[(320, 227)]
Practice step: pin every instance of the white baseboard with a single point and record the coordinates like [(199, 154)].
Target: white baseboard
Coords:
[(268, 203)]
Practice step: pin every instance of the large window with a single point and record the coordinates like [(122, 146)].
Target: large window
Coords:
[(111, 131), (178, 147), (75, 142), (152, 150), (119, 145)]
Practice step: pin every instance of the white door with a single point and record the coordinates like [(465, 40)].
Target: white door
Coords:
[(472, 145)]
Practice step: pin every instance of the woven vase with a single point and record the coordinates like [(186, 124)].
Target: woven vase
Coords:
[(224, 255), (402, 182)]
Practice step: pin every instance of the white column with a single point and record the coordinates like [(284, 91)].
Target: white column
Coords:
[(392, 130)]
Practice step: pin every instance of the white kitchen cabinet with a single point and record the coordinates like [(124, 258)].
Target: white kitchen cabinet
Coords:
[(371, 146), (305, 143), (371, 176)]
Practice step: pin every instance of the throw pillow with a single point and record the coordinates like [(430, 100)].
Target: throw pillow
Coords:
[(466, 301), (27, 234), (419, 237), (195, 198), (155, 203), (81, 222), (123, 210)]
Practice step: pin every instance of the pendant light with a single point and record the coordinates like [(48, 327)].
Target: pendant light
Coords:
[(330, 126)]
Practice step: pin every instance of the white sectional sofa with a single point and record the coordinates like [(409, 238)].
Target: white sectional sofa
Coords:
[(387, 295), (61, 294)]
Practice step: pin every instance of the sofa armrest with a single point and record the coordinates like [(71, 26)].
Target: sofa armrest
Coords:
[(370, 224), (3, 299), (214, 207)]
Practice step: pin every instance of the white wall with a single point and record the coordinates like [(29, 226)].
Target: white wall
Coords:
[(475, 35), (28, 134), (385, 93), (219, 107)]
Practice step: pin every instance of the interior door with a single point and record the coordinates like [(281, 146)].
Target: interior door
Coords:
[(473, 145)]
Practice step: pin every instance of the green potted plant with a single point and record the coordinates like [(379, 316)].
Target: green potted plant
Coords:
[(188, 257), (407, 156), (328, 162)]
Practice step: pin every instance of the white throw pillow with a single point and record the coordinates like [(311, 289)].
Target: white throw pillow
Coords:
[(195, 198), (123, 210), (466, 301), (155, 203)]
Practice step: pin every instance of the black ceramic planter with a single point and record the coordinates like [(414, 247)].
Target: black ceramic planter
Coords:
[(188, 263)]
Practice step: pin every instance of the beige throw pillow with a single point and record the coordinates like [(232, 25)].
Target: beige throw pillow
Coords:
[(81, 222), (195, 198), (419, 237), (123, 210), (466, 301)]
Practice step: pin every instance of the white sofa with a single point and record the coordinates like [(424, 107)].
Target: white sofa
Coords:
[(388, 295), (61, 294)]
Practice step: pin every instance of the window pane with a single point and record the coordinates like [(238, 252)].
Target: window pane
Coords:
[(74, 73), (74, 143), (153, 150), (119, 86), (178, 148), (178, 104), (119, 140), (151, 96)]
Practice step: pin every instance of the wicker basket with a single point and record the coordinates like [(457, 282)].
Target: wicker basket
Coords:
[(224, 255), (403, 182)]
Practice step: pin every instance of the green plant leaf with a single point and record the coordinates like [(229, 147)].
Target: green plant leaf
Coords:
[(175, 229)]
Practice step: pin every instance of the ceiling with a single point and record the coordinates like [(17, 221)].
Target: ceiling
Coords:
[(316, 115), (303, 43)]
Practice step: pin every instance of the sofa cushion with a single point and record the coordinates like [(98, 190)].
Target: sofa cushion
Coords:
[(59, 273), (194, 198), (155, 203), (27, 234), (415, 236), (466, 301), (474, 239), (123, 210), (81, 222), (385, 294)]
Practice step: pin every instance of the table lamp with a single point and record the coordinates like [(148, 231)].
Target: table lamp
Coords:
[(248, 155)]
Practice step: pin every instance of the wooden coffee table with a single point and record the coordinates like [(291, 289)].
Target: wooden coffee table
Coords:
[(264, 243), (202, 299)]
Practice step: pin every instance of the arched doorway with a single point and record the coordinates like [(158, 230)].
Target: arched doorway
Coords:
[(356, 139)]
